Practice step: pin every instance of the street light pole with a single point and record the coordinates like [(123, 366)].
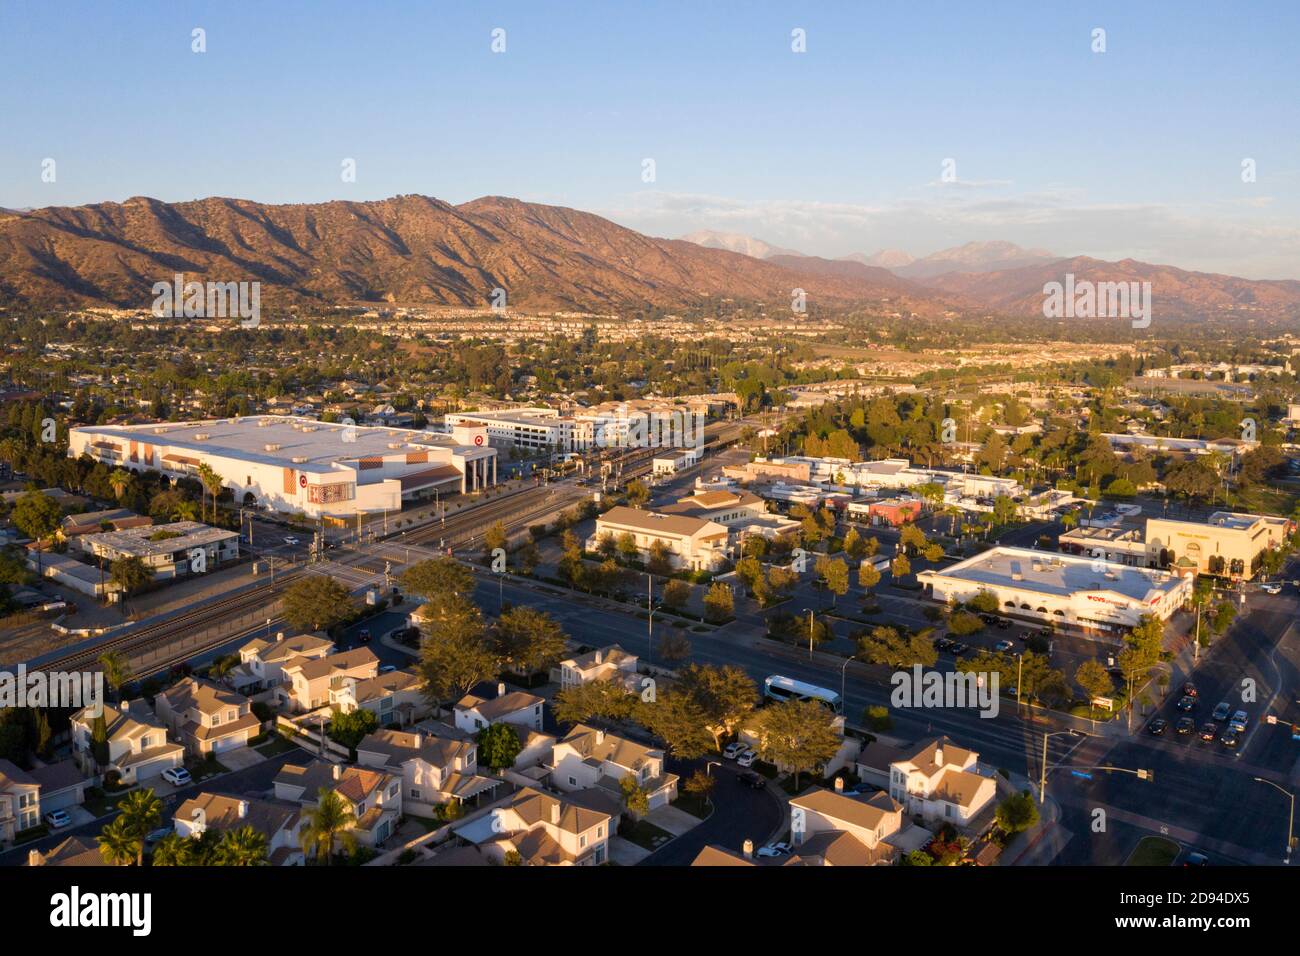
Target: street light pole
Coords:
[(843, 672), (1290, 826)]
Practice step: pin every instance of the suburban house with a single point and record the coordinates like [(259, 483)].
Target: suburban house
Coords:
[(713, 855), (20, 801), (542, 830), (605, 663), (751, 735), (374, 796), (206, 718), (136, 747), (93, 522), (695, 544), (832, 829), (280, 823), (62, 785), (473, 713), (394, 698), (586, 757), (261, 661), (743, 513), (307, 683), (936, 780), (434, 769), (74, 851)]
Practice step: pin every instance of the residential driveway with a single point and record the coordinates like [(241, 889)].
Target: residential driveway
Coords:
[(625, 852), (673, 820), (242, 758)]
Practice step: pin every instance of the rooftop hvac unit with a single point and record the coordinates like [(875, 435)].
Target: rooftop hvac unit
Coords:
[(306, 429), (201, 436), (1017, 576), (299, 459), (160, 430), (397, 444), (271, 446)]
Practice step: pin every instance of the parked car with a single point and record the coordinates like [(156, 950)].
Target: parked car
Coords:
[(1239, 721), (774, 849), (1185, 725), (1229, 738), (1186, 703), (1189, 690), (388, 668), (959, 649), (1003, 646), (363, 635), (1003, 624), (753, 780), (1157, 726), (860, 788), (177, 776), (1222, 711), (1271, 588), (1196, 859), (1209, 731), (989, 618), (292, 541), (732, 751), (747, 758), (57, 819)]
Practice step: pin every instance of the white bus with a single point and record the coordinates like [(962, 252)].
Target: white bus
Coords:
[(780, 688)]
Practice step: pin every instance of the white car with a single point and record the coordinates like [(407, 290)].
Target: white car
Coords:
[(291, 541), (1271, 588), (774, 849), (747, 759), (177, 776), (732, 751), (57, 819)]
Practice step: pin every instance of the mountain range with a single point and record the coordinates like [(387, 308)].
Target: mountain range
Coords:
[(415, 250)]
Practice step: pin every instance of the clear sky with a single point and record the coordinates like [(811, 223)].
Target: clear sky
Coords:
[(1134, 152)]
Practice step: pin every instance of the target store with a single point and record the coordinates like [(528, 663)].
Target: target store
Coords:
[(298, 464)]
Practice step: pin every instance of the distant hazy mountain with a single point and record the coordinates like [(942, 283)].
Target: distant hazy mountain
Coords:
[(1175, 293), (735, 242), (885, 258), (975, 257)]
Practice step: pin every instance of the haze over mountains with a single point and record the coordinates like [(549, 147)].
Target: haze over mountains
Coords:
[(418, 250)]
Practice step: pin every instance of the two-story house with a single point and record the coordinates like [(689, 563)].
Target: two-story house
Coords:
[(373, 796), (280, 823), (941, 783), (135, 743), (394, 698), (261, 661), (473, 713), (610, 663), (20, 801), (586, 757), (307, 683), (206, 718), (434, 769), (834, 829), (542, 830)]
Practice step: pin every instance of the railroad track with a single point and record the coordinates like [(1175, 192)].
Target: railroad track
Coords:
[(154, 635)]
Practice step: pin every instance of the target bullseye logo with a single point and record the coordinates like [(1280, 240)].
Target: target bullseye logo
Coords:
[(302, 480), (478, 439)]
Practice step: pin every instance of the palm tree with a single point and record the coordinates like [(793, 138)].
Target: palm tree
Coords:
[(211, 484), (120, 480), (118, 845), (243, 847), (117, 671), (186, 511), (141, 813), (171, 850), (331, 820)]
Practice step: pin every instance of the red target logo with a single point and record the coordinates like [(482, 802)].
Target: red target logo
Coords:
[(478, 439), (302, 480)]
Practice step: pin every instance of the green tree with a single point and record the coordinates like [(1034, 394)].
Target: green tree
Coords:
[(141, 814), (244, 846), (675, 595), (130, 574), (718, 605), (637, 493), (326, 825), (317, 602), (498, 746), (1094, 680), (1017, 813), (118, 845), (635, 797), (36, 515), (897, 651), (679, 722), (700, 785), (726, 696), (438, 577), (798, 735), (454, 655), (351, 728), (117, 671), (596, 699), (527, 639)]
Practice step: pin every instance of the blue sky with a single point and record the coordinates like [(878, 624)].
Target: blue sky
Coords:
[(1133, 152)]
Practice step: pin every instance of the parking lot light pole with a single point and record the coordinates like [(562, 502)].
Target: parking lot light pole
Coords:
[(1290, 826), (810, 632)]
